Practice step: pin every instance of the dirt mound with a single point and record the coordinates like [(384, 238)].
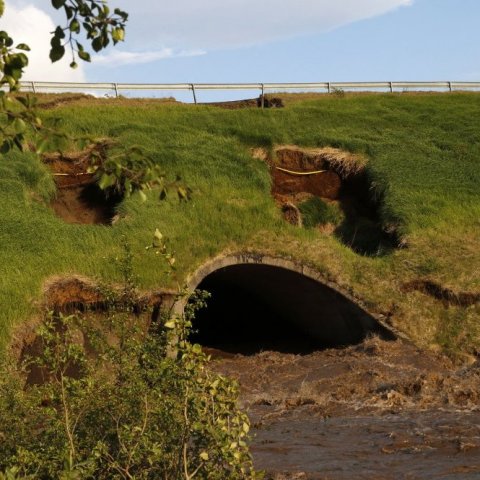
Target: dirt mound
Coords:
[(320, 172), (79, 200), (268, 102), (65, 292), (292, 214)]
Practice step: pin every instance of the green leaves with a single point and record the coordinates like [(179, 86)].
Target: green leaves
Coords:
[(106, 181), (12, 61), (58, 50), (58, 3), (19, 126), (23, 46), (85, 56), (118, 34), (74, 26), (95, 20), (130, 170), (115, 399)]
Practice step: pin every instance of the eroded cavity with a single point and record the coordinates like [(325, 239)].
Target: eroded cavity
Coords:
[(332, 191), (79, 200)]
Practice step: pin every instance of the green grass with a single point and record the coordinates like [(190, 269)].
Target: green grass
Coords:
[(423, 152), (316, 211)]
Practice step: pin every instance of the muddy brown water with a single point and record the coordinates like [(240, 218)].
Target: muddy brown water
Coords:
[(378, 410)]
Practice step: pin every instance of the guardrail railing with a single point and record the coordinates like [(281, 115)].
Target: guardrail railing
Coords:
[(327, 87)]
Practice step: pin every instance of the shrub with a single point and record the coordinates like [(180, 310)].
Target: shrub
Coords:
[(120, 402)]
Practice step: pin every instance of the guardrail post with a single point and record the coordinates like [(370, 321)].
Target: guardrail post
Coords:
[(391, 87), (33, 87), (115, 87), (263, 96), (194, 94)]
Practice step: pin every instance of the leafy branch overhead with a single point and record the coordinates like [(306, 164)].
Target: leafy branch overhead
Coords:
[(98, 23), (126, 171), (123, 171), (18, 115)]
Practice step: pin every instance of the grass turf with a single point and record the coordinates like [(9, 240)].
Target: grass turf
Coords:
[(423, 153)]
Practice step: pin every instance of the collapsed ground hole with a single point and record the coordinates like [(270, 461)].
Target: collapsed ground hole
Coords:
[(333, 193), (94, 303), (79, 200), (86, 204), (255, 308)]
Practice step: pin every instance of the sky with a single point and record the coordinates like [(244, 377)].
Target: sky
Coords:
[(222, 41)]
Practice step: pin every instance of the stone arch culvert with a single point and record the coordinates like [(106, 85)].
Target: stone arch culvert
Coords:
[(260, 302)]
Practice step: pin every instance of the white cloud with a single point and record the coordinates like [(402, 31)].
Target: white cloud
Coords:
[(218, 24), (118, 58), (28, 24), (164, 29)]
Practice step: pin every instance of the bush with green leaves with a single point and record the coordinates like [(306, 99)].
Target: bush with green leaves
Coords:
[(121, 399)]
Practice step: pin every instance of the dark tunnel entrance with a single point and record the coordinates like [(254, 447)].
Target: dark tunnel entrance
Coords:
[(257, 307)]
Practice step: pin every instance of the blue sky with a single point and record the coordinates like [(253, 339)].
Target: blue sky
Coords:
[(274, 41)]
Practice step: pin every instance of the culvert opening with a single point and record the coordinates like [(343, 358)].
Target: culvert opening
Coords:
[(257, 307), (333, 193), (79, 199)]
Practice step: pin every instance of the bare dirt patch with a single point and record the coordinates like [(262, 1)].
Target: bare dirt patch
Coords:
[(79, 200), (91, 301), (268, 102), (330, 186), (61, 100), (79, 294)]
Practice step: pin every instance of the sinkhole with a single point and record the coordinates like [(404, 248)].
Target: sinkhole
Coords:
[(258, 307)]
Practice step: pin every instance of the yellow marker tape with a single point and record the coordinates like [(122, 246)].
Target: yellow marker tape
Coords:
[(69, 174), (300, 173)]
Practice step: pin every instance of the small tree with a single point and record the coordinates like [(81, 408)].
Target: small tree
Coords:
[(116, 404)]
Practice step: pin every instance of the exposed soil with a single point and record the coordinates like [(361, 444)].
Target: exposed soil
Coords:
[(268, 102), (79, 200), (292, 214), (76, 293), (62, 100), (445, 295), (378, 410), (338, 178)]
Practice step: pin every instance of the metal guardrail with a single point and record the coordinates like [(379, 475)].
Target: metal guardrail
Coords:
[(328, 87)]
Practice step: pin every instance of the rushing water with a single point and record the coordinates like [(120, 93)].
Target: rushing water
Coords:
[(413, 445), (379, 410)]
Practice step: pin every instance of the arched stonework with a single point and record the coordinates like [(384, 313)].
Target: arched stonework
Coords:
[(292, 290)]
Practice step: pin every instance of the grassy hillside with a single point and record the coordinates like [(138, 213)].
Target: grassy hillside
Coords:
[(423, 152)]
